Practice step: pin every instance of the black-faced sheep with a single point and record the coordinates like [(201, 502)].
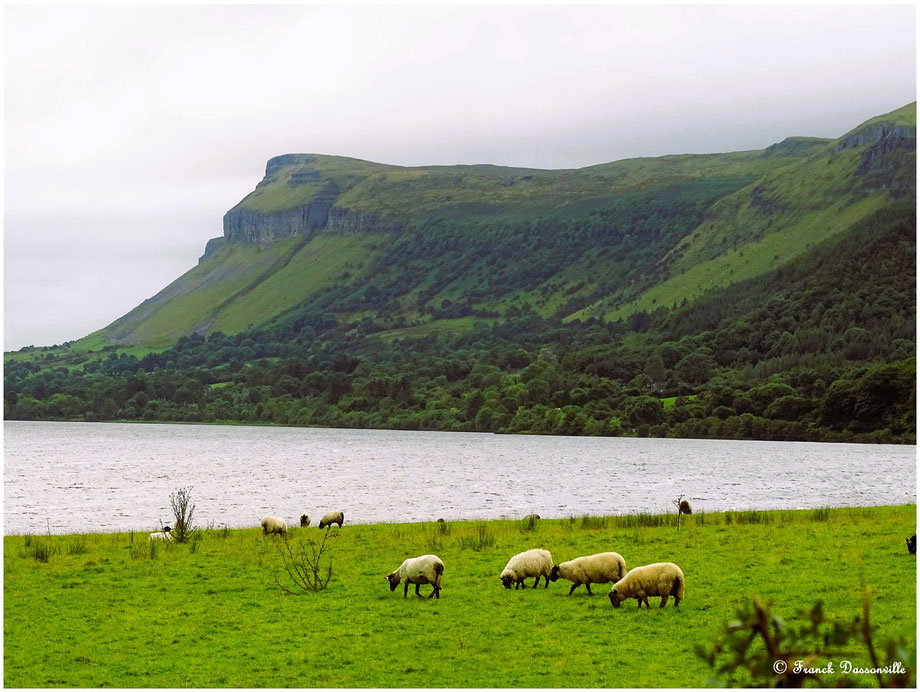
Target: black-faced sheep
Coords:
[(272, 524), (531, 563), (304, 521), (660, 579), (912, 545), (591, 569), (331, 518), (425, 569), (163, 535)]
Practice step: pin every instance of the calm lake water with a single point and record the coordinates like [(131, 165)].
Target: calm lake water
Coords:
[(109, 476)]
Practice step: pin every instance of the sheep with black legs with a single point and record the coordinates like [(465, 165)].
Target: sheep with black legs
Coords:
[(272, 524), (660, 579), (531, 563), (590, 569), (330, 518), (425, 569)]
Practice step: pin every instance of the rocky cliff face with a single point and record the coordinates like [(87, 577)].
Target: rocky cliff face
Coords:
[(214, 244), (887, 162), (266, 228)]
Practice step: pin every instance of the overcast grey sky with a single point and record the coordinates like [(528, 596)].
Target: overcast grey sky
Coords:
[(129, 131)]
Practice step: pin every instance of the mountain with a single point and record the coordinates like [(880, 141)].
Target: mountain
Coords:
[(750, 295), (398, 244)]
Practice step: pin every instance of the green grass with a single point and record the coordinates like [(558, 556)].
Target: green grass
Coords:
[(751, 259), (668, 401), (105, 610), (320, 263)]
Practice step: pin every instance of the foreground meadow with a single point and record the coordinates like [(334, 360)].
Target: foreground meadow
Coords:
[(107, 610)]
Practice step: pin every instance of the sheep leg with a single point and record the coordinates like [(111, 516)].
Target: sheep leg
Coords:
[(416, 590), (406, 590), (536, 583), (434, 593), (664, 601), (574, 586), (546, 576), (588, 587)]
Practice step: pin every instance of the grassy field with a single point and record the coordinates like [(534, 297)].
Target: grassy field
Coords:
[(105, 611)]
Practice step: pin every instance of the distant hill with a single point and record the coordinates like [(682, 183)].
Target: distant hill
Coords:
[(399, 243)]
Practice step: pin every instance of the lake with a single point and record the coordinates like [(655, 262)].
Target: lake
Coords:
[(89, 477)]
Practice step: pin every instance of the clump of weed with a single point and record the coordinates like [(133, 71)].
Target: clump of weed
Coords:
[(640, 519), (481, 539), (529, 523), (820, 514), (592, 523), (77, 546), (750, 516), (40, 549)]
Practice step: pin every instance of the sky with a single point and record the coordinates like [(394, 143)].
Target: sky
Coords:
[(130, 130)]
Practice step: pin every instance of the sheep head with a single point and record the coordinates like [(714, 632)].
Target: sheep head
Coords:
[(507, 581), (394, 580), (616, 598), (554, 574)]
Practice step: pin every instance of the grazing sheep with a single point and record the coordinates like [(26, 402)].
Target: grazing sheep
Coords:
[(163, 535), (331, 518), (272, 524), (591, 569), (661, 579), (912, 545), (425, 569), (531, 563), (531, 517), (304, 520)]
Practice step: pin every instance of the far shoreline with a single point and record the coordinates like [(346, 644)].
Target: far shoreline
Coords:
[(523, 433)]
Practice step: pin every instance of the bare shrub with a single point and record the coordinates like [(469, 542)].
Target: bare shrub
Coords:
[(183, 512), (308, 566)]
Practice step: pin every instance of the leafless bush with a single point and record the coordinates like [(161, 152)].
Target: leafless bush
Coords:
[(308, 565), (183, 512)]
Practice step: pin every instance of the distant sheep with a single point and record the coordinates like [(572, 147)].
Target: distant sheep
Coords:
[(660, 579), (591, 569), (304, 520), (331, 518), (272, 524), (163, 535), (425, 569), (912, 545), (531, 563)]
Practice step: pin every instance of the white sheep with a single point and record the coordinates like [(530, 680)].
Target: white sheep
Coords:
[(531, 563), (425, 569), (163, 535), (272, 524), (330, 518), (590, 569), (661, 579)]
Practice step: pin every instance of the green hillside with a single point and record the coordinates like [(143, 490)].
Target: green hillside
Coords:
[(603, 241)]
